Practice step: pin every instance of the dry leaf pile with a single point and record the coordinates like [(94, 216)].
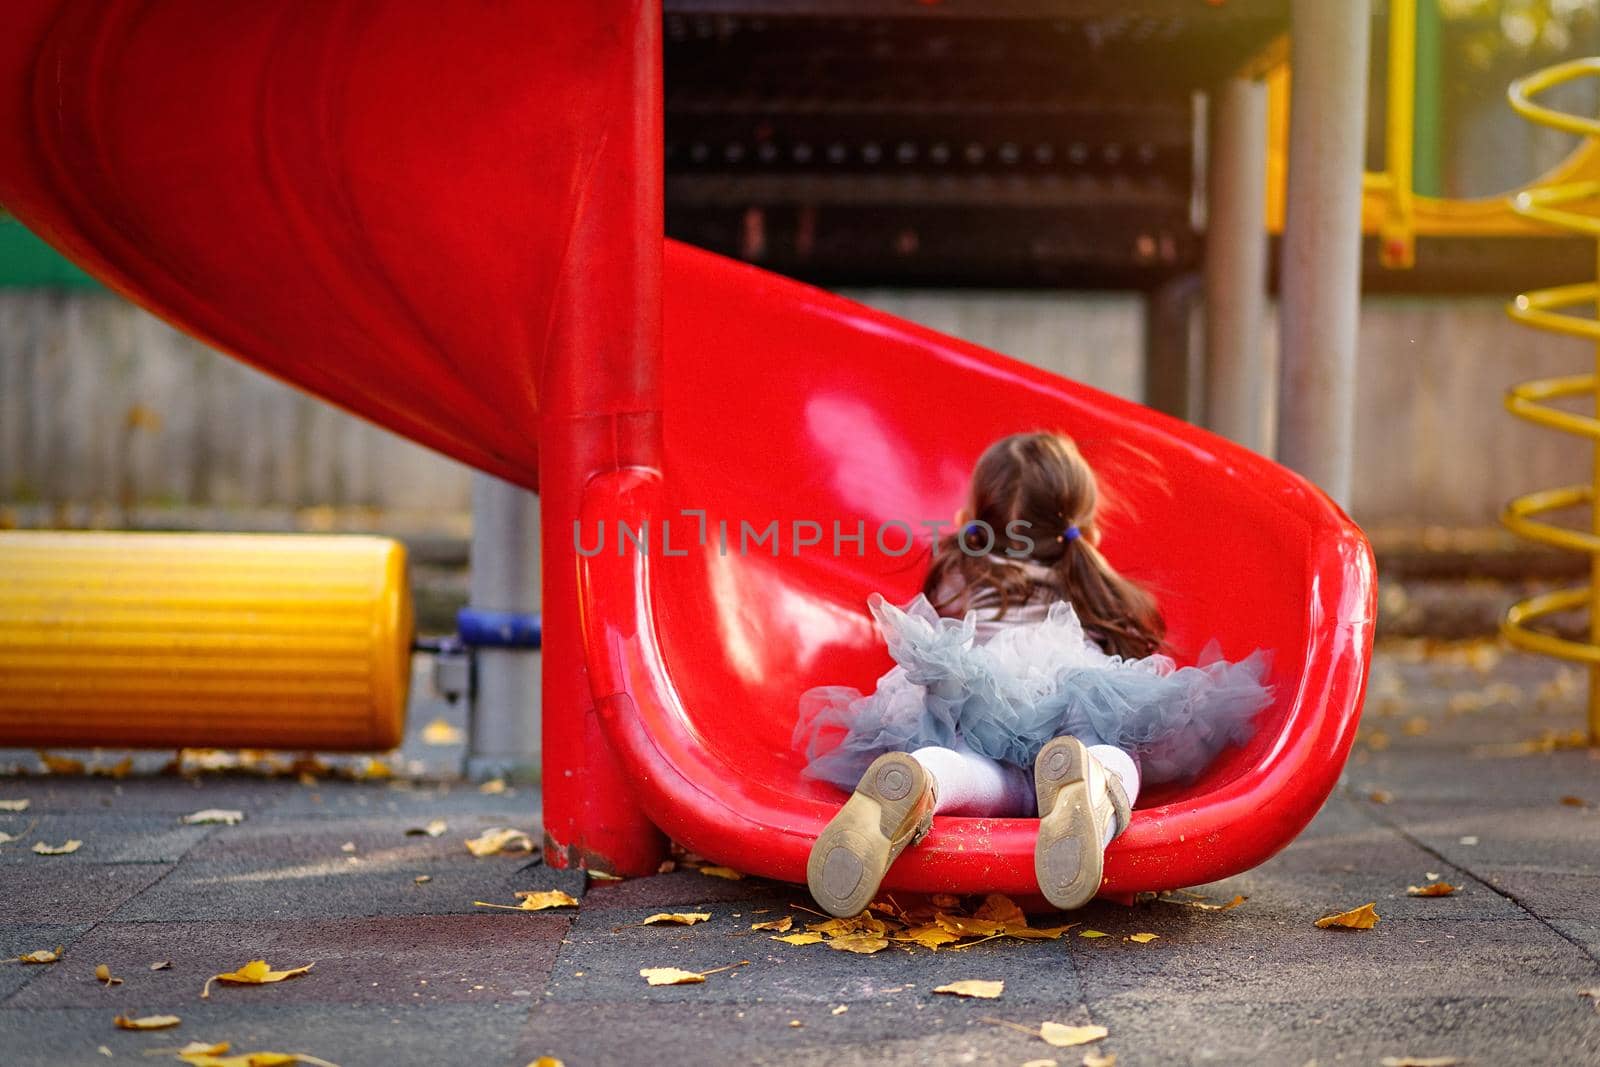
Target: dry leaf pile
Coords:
[(940, 922)]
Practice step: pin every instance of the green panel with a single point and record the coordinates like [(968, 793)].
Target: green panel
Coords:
[(27, 262)]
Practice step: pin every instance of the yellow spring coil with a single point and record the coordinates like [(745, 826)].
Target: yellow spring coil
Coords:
[(1573, 207)]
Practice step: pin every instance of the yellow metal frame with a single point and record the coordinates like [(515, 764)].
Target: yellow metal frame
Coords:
[(1560, 206), (1390, 206)]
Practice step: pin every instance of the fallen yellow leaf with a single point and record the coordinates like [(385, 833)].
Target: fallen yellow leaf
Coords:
[(973, 987), (251, 1059), (722, 872), (969, 925), (1380, 796), (676, 976), (1035, 933), (670, 976), (256, 972), (929, 935), (863, 944), (1000, 908), (60, 764), (602, 876), (423, 879), (161, 965), (1093, 933), (856, 924), (1206, 905), (678, 917), (547, 1061), (500, 839), (441, 732), (1143, 939), (372, 770), (147, 1022), (42, 955), (103, 972), (1066, 1036), (1432, 889), (1419, 1061), (535, 900), (808, 937), (1574, 802), (1042, 1063), (493, 786), (781, 925), (62, 849), (15, 805), (840, 1010), (1092, 1059), (219, 816), (119, 770), (199, 1047), (1593, 994), (1362, 918), (434, 828)]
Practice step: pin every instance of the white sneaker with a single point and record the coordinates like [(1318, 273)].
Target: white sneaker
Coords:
[(1079, 802)]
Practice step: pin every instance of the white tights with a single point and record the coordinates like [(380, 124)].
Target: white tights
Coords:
[(970, 784)]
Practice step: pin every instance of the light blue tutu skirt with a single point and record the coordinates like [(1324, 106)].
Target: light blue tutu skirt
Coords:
[(1031, 682)]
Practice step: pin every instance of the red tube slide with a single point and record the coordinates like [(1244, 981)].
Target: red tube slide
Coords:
[(451, 226)]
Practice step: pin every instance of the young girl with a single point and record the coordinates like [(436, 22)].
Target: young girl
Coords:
[(1025, 651)]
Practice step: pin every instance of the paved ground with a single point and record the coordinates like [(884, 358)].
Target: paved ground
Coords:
[(1461, 748)]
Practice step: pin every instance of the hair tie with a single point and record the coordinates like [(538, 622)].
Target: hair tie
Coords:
[(1071, 533)]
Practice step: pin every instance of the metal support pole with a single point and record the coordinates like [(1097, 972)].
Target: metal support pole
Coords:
[(1241, 383), (505, 719), (1171, 379), (1321, 289)]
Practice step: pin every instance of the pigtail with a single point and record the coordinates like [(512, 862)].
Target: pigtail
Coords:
[(1115, 611)]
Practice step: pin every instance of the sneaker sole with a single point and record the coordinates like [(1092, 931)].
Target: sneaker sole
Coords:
[(1067, 861), (855, 850)]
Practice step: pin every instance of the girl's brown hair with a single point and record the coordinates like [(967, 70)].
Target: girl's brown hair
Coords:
[(1035, 487)]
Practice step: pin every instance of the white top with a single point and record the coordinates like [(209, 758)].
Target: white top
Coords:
[(985, 603)]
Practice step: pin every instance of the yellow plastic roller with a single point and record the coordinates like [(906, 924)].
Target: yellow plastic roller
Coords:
[(156, 640)]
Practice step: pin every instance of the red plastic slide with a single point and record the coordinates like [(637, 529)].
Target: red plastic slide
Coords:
[(451, 225)]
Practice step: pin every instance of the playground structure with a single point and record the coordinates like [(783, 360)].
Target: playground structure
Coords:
[(474, 260), (1567, 205)]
